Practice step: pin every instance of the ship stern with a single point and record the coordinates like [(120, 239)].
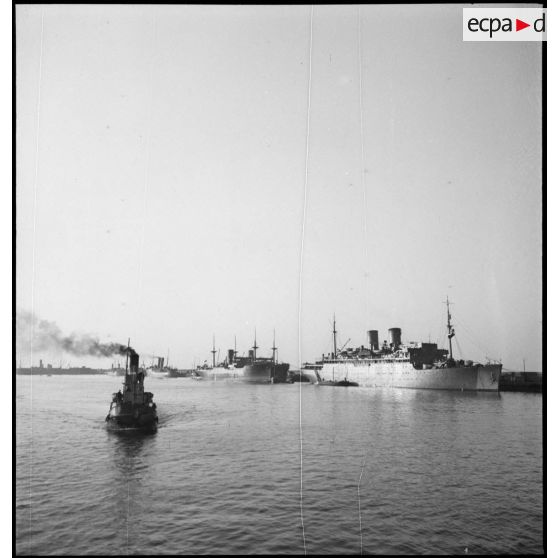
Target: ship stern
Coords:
[(488, 377)]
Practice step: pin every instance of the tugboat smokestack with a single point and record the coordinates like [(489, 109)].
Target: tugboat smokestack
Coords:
[(134, 361)]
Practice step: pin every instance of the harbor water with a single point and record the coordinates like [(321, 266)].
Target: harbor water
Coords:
[(277, 469)]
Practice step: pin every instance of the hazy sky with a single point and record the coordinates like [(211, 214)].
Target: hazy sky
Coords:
[(162, 170)]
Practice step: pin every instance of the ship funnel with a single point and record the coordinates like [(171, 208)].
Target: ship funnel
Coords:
[(394, 335), (134, 363), (373, 339), (231, 356), (251, 354)]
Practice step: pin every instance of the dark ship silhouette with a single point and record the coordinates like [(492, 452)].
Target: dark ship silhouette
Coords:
[(132, 408)]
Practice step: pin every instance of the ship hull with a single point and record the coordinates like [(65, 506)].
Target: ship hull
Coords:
[(220, 373), (181, 374), (132, 417), (116, 373), (157, 374), (265, 373), (404, 375)]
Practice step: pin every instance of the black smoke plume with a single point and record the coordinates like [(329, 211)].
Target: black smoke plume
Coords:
[(45, 335)]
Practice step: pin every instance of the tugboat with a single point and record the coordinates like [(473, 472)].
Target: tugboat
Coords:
[(133, 408)]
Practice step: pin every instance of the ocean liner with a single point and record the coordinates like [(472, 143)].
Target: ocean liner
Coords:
[(413, 365), (132, 408)]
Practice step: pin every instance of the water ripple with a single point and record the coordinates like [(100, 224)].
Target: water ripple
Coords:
[(443, 472)]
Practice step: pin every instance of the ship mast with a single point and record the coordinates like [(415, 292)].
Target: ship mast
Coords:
[(334, 339), (451, 331), (255, 347), (213, 351), (274, 348)]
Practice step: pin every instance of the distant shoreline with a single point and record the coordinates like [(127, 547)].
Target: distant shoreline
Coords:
[(60, 371)]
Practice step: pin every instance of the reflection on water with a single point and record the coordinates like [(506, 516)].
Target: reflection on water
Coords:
[(430, 395), (129, 450), (130, 459)]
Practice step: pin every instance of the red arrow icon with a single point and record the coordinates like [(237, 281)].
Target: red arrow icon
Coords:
[(519, 25)]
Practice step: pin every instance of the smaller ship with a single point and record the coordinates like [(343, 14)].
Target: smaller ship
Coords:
[(116, 370), (49, 370), (337, 383), (226, 370), (132, 408), (160, 370), (262, 370), (250, 369), (175, 373)]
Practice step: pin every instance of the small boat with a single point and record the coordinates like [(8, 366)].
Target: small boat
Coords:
[(175, 373), (337, 383), (346, 383), (133, 408)]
